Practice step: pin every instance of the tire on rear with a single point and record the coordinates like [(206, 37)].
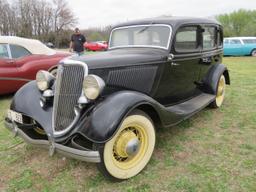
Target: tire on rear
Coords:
[(253, 53), (220, 93), (116, 164)]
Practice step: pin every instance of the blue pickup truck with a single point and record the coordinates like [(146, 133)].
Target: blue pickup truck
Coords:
[(240, 46)]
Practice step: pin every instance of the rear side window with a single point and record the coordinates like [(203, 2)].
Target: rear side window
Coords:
[(4, 51), (18, 51), (209, 38), (186, 39), (249, 41)]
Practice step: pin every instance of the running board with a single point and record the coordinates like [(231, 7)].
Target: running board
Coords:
[(182, 111)]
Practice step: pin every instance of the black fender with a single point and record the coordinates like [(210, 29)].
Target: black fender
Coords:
[(26, 101), (210, 81), (106, 117)]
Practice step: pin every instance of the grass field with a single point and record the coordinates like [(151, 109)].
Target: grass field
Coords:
[(213, 151)]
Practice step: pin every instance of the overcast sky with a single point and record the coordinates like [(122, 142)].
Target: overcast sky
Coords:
[(93, 13)]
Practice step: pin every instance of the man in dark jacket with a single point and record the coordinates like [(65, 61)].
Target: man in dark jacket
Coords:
[(77, 42)]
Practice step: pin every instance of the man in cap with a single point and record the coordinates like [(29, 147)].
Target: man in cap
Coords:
[(77, 42)]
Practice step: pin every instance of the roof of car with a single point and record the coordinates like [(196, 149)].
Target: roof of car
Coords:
[(240, 38), (170, 20), (32, 45)]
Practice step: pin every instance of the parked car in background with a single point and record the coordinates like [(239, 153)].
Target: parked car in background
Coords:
[(96, 46), (21, 59), (105, 107), (240, 46), (50, 45)]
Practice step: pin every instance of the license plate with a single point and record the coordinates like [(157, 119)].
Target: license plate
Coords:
[(15, 116)]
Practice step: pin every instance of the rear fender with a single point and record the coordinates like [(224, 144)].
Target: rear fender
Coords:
[(212, 77)]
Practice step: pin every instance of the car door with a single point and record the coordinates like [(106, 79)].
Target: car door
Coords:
[(234, 47), (8, 70), (18, 53), (249, 45), (181, 70), (212, 45)]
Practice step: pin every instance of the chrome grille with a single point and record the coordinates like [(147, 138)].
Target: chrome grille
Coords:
[(68, 89)]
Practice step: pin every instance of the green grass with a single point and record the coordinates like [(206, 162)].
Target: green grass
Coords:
[(213, 151)]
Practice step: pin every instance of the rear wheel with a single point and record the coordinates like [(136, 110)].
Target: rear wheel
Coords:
[(253, 53), (129, 151), (220, 93)]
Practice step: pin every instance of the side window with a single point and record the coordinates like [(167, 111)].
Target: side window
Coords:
[(186, 39), (18, 51), (220, 37), (4, 51), (249, 41), (234, 41), (209, 39)]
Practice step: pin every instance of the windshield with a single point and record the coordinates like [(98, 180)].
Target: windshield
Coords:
[(141, 36)]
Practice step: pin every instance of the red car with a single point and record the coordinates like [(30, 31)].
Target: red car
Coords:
[(96, 46), (21, 58)]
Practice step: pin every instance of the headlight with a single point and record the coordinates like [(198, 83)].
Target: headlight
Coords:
[(93, 86), (44, 80)]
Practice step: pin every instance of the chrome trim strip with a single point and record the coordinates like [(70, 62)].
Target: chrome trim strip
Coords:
[(15, 79), (83, 155), (69, 61), (144, 46)]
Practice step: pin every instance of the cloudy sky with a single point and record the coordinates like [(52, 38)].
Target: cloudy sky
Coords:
[(92, 13)]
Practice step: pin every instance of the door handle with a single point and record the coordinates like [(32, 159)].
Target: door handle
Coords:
[(10, 62), (206, 60), (174, 64)]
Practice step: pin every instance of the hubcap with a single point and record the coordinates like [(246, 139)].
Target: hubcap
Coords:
[(221, 91), (130, 147), (127, 144)]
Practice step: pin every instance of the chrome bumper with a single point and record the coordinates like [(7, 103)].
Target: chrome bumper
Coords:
[(88, 156)]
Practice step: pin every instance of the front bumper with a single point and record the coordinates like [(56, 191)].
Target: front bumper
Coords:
[(83, 155)]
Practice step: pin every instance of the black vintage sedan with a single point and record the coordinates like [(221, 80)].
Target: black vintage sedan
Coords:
[(106, 107)]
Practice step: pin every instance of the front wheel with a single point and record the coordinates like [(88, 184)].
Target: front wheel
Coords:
[(220, 93), (54, 72), (129, 151)]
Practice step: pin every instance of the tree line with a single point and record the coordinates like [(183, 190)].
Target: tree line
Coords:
[(40, 19), (239, 23)]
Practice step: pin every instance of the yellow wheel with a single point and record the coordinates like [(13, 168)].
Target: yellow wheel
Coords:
[(220, 94), (129, 151), (54, 72), (40, 131)]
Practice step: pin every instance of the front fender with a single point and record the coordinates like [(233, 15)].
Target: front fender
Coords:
[(106, 117), (26, 101)]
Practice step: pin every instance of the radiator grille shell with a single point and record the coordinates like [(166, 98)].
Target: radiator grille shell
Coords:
[(68, 89)]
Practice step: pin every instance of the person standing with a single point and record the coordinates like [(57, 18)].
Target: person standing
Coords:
[(77, 42)]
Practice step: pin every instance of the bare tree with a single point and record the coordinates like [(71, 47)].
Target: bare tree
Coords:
[(4, 24), (64, 18), (41, 19)]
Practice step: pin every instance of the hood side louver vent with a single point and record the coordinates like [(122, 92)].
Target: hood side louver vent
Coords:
[(139, 78)]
